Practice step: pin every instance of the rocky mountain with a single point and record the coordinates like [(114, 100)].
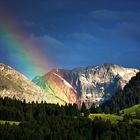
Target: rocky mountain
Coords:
[(15, 85), (58, 85), (90, 84)]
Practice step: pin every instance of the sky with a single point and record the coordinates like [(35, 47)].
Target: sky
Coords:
[(68, 33)]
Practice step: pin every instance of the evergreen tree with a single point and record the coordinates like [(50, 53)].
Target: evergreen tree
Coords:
[(92, 108), (83, 108), (86, 113), (106, 110)]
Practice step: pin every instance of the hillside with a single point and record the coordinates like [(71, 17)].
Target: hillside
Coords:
[(105, 117), (133, 111), (127, 97), (15, 85)]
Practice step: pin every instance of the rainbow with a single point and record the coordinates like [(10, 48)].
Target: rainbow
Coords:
[(15, 39)]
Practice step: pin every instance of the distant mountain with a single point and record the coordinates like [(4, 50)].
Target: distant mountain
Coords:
[(127, 97), (90, 84), (15, 85)]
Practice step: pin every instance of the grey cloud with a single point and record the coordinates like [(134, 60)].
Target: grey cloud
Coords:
[(57, 49), (85, 37), (104, 14), (75, 53), (29, 23), (48, 43), (114, 15), (61, 4), (130, 31)]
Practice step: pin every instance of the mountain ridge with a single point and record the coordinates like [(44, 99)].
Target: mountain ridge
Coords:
[(89, 84), (94, 84)]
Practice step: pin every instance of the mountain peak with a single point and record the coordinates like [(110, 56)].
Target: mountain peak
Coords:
[(110, 65), (100, 82)]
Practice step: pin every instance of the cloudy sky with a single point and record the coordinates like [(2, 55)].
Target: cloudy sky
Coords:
[(74, 33)]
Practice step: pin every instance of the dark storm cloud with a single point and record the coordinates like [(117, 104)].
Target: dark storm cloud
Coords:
[(80, 32)]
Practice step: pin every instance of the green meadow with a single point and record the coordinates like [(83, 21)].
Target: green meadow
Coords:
[(9, 122), (131, 111), (113, 118)]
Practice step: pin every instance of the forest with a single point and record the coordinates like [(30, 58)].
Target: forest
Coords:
[(53, 122)]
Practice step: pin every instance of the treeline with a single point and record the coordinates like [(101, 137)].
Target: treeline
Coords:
[(125, 98), (53, 122), (21, 111), (70, 128)]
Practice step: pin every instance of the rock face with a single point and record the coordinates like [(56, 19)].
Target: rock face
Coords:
[(15, 85), (59, 86), (90, 84)]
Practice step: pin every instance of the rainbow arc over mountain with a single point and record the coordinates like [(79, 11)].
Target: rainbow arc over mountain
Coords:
[(15, 39)]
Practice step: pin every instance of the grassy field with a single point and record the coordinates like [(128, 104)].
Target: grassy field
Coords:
[(130, 111), (111, 117), (10, 122)]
